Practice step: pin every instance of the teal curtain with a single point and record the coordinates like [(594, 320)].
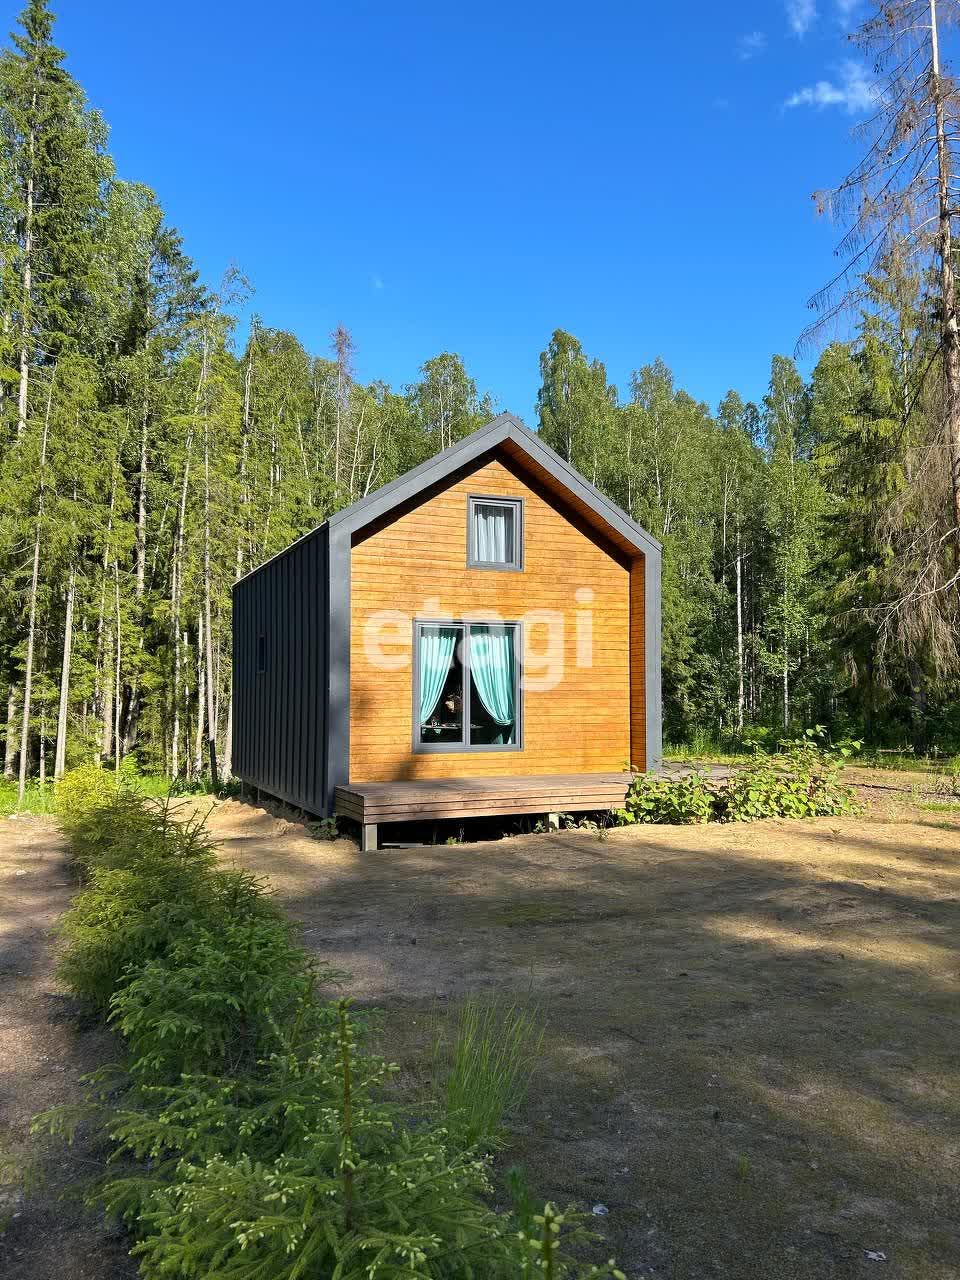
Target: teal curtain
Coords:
[(436, 653), (493, 665)]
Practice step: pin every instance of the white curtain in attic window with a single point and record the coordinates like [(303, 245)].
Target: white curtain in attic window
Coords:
[(493, 533)]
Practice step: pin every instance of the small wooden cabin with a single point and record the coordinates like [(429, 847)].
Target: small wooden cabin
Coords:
[(479, 637)]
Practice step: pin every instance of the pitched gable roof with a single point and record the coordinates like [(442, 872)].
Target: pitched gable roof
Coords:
[(508, 434)]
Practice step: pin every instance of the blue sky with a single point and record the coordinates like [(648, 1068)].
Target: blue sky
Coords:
[(470, 177)]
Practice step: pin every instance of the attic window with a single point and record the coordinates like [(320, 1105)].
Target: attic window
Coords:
[(495, 533)]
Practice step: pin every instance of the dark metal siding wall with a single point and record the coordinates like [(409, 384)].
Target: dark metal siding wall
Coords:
[(279, 737)]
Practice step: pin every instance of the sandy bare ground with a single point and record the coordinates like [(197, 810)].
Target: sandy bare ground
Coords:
[(753, 1032), (43, 1052)]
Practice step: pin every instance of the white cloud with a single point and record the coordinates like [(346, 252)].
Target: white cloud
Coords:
[(801, 14), (846, 9), (749, 45), (856, 93)]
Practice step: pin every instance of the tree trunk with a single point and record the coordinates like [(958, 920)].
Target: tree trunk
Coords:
[(208, 627), (10, 745), (117, 700), (100, 666), (60, 755), (106, 706), (27, 285), (201, 700), (32, 610), (740, 691), (176, 592), (949, 333), (142, 505)]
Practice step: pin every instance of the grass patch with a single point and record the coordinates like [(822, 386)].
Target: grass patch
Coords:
[(483, 1066), (37, 798)]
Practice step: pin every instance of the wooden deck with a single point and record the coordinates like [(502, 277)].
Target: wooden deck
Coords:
[(373, 803)]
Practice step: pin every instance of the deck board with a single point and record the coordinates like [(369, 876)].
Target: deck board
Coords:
[(407, 801)]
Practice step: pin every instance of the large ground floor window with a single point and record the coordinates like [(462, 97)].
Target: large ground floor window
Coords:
[(466, 686)]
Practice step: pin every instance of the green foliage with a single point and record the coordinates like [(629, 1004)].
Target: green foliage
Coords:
[(38, 798), (802, 781), (210, 997), (325, 829), (83, 791), (787, 527), (150, 880), (250, 1123), (675, 801), (482, 1071)]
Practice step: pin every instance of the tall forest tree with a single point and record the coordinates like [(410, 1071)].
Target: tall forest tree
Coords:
[(900, 202)]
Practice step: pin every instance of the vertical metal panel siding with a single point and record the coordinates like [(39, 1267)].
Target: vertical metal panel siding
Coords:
[(279, 738)]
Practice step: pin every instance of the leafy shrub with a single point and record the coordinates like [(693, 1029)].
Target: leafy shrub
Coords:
[(672, 800), (803, 781)]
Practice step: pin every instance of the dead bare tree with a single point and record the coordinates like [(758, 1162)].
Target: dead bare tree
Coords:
[(901, 202)]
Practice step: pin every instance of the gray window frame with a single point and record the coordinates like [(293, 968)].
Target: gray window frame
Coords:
[(516, 564), (463, 746)]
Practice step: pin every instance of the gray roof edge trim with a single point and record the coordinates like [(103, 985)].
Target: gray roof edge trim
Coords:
[(505, 427), (424, 474), (579, 484)]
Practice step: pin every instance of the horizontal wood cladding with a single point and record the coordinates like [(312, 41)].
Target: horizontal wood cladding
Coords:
[(638, 657), (415, 564), (480, 797)]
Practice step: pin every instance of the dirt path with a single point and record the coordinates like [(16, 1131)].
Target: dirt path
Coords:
[(752, 1031), (42, 1055)]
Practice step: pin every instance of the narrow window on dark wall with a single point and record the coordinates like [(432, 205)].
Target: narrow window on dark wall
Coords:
[(261, 655)]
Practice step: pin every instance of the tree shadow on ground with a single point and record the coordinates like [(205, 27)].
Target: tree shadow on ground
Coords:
[(752, 1032)]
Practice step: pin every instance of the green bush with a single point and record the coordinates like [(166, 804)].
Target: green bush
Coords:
[(211, 996), (124, 919), (89, 787), (803, 781), (675, 801), (150, 880)]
